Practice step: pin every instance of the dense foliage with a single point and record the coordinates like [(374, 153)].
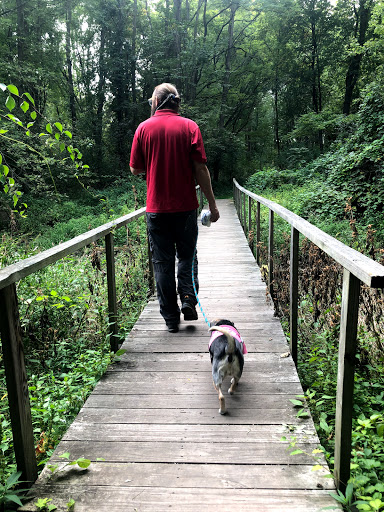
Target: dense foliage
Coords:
[(289, 95)]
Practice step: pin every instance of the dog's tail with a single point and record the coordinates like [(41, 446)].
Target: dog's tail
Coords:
[(231, 341)]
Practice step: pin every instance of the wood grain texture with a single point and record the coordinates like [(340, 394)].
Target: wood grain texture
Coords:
[(154, 417)]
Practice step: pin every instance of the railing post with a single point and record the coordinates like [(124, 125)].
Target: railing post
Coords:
[(244, 213), (294, 291), (258, 233), (249, 215), (17, 384), (345, 378), (111, 282), (270, 253)]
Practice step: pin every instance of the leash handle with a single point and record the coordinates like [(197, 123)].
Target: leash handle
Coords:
[(194, 287)]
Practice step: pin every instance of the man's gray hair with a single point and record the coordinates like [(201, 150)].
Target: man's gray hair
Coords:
[(167, 96)]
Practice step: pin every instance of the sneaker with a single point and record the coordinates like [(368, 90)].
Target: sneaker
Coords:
[(188, 309)]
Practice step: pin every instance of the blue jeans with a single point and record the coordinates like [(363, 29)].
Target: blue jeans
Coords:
[(173, 235)]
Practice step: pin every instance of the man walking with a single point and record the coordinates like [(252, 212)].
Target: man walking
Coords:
[(169, 149)]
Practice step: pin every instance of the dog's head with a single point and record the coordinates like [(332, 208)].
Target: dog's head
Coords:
[(221, 321)]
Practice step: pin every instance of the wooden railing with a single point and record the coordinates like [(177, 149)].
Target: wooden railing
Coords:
[(357, 268), (11, 338)]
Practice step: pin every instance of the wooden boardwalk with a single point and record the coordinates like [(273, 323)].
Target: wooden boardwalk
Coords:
[(154, 417)]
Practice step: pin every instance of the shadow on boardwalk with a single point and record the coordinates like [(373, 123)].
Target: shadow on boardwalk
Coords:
[(154, 417)]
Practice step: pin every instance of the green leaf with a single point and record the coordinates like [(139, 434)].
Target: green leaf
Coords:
[(57, 136), (51, 507), (13, 89), (68, 134), (24, 106), (296, 403), (62, 147), (15, 200), (29, 97), (3, 131), (71, 505), (120, 352), (33, 115), (59, 126), (65, 455), (14, 499), (10, 103), (13, 479), (83, 463), (296, 452), (49, 128), (5, 170), (11, 182)]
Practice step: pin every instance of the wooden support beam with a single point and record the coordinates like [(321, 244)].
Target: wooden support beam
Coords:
[(294, 291), (270, 253), (258, 232), (112, 302), (17, 384), (249, 216), (244, 214), (345, 378)]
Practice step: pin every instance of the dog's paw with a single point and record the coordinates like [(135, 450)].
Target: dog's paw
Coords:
[(222, 411), (230, 391)]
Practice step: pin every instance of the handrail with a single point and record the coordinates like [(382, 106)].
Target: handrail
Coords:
[(357, 267), (23, 268), (366, 269)]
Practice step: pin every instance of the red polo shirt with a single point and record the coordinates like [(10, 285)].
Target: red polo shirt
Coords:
[(165, 145)]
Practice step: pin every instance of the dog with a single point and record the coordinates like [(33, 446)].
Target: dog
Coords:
[(226, 349)]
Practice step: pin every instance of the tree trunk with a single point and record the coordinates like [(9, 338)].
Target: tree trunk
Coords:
[(100, 102), (71, 90), (133, 63), (20, 31), (353, 73)]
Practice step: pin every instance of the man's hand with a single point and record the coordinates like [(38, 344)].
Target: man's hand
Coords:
[(215, 215), (203, 179)]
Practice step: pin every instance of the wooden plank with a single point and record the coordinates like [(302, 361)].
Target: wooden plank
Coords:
[(23, 268), (175, 401), (364, 268), (197, 476), (294, 292), (123, 383), (105, 498), (188, 416), (185, 453), (17, 383), (189, 433)]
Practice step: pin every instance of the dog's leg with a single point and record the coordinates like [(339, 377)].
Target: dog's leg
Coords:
[(233, 387), (222, 409)]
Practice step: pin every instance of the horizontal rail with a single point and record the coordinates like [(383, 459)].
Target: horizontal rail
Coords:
[(24, 268), (368, 271)]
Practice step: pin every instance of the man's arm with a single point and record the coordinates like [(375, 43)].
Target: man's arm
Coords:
[(203, 179), (136, 171)]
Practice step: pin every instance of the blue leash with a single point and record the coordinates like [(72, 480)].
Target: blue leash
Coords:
[(194, 287)]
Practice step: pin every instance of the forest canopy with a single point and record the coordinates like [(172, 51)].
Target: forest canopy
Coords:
[(271, 83)]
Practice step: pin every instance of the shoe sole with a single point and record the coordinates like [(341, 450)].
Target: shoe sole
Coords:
[(189, 313)]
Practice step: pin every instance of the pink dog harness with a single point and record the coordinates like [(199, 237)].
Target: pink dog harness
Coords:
[(233, 332)]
